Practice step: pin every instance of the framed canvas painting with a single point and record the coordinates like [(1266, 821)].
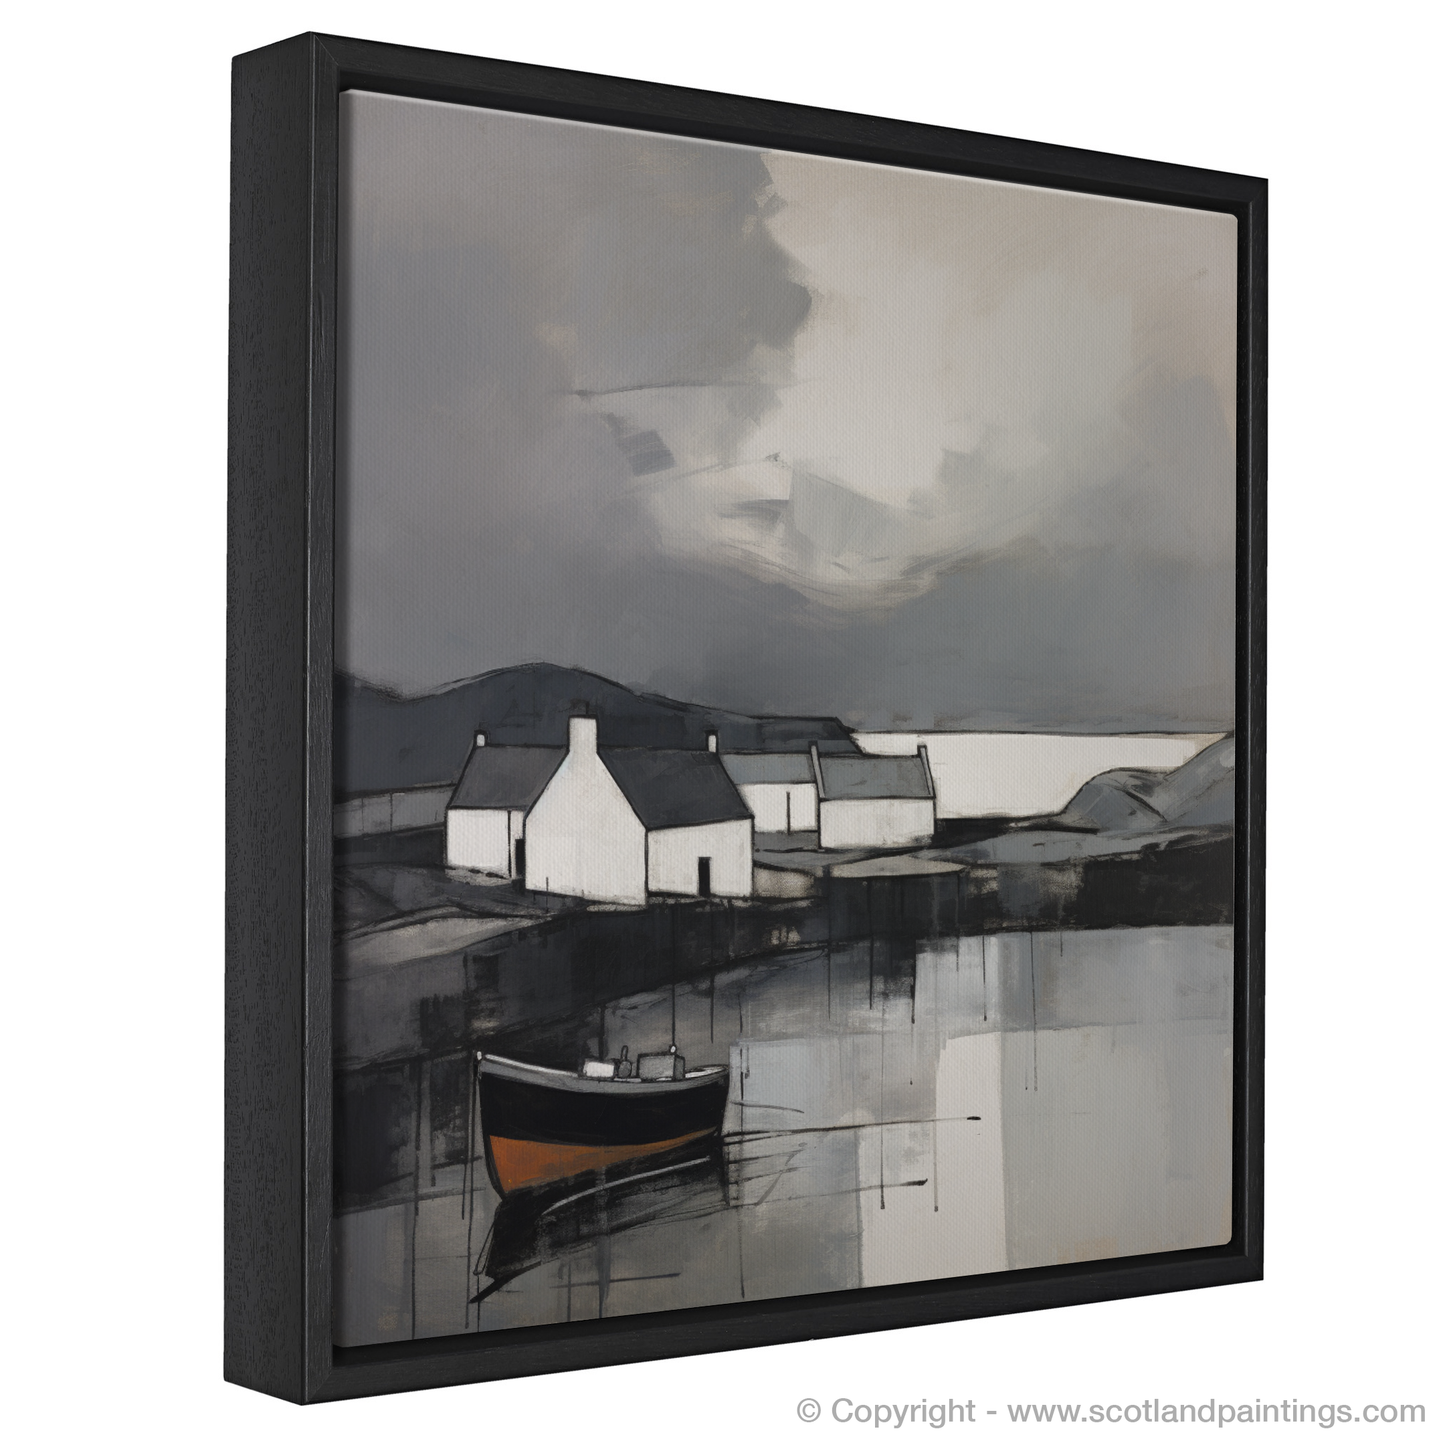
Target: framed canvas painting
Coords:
[(745, 723)]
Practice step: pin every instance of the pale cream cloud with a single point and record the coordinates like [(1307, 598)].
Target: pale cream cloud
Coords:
[(981, 363)]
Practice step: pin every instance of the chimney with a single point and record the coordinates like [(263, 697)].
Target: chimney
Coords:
[(712, 742), (582, 736), (481, 740), (927, 770)]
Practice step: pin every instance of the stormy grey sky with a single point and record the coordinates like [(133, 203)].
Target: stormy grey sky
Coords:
[(777, 432)]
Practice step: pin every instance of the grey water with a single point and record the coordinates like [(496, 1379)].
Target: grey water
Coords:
[(971, 1105)]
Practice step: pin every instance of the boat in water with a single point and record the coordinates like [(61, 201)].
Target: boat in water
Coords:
[(542, 1125)]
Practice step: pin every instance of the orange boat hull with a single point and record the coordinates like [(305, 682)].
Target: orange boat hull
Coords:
[(526, 1163)]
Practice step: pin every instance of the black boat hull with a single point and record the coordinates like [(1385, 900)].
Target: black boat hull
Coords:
[(542, 1125)]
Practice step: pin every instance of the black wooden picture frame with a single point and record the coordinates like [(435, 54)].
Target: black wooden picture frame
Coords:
[(283, 395)]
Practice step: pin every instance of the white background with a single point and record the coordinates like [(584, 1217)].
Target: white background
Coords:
[(113, 540)]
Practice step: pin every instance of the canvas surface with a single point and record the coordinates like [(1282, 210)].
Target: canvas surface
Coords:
[(785, 632)]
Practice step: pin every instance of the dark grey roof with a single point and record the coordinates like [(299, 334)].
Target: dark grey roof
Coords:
[(768, 767), (505, 777), (675, 788), (874, 777)]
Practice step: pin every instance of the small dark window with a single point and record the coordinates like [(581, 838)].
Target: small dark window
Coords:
[(520, 869), (704, 877)]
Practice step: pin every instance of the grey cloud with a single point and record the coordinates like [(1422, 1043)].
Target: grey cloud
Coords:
[(778, 433)]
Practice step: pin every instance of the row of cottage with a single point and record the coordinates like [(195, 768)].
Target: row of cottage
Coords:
[(616, 824)]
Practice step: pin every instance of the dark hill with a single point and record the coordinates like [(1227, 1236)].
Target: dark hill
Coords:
[(386, 741)]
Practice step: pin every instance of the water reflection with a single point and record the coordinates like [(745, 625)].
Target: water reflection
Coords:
[(966, 1105), (539, 1227)]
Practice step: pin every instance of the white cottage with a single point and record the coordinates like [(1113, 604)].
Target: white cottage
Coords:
[(779, 789), (616, 824), (486, 815), (873, 802)]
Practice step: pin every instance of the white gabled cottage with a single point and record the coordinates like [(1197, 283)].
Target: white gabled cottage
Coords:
[(616, 824), (867, 801), (778, 788), (486, 816)]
